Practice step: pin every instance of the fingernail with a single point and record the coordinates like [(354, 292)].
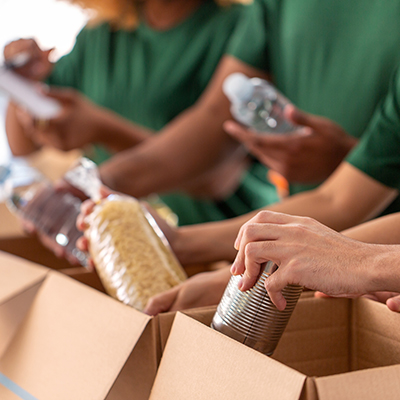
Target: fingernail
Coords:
[(233, 269), (236, 244), (240, 284)]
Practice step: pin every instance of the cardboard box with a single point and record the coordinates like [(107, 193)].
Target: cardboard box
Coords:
[(53, 164), (331, 349), (60, 339), (83, 275)]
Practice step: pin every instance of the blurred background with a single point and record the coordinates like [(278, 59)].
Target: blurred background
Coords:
[(53, 23)]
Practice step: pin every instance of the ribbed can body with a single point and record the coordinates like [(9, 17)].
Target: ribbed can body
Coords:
[(250, 317)]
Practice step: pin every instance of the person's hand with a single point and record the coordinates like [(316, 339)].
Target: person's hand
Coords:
[(308, 155), (391, 299), (38, 66), (307, 253), (204, 289), (73, 128), (86, 209)]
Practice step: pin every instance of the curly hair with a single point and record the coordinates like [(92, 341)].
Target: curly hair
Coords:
[(124, 14)]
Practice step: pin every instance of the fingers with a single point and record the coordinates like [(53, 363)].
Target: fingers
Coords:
[(86, 208), (393, 303), (105, 191), (299, 117), (236, 130), (256, 244), (265, 217), (162, 302), (274, 285), (321, 295)]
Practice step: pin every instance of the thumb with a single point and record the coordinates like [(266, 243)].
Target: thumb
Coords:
[(48, 52), (162, 302), (393, 303), (63, 95), (298, 117)]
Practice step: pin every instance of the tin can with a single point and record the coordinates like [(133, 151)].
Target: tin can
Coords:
[(250, 317)]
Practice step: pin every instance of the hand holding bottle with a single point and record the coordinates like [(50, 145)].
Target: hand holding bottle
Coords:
[(308, 155)]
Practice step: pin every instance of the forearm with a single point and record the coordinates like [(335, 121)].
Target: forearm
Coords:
[(209, 242), (18, 140), (193, 143), (117, 133), (349, 197), (383, 230), (185, 148)]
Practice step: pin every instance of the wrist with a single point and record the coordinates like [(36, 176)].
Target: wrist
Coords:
[(384, 271), (203, 243)]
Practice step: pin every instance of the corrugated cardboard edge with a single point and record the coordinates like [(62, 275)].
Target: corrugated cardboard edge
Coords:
[(13, 311), (165, 320), (29, 340), (240, 369)]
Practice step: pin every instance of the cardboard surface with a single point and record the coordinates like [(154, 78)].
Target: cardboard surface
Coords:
[(17, 275), (65, 340), (226, 369), (83, 275), (324, 341), (316, 340), (371, 384), (9, 224), (60, 339)]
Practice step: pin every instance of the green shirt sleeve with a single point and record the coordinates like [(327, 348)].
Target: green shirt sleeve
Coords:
[(378, 152), (250, 38)]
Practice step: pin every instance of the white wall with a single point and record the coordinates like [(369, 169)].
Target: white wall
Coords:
[(53, 23)]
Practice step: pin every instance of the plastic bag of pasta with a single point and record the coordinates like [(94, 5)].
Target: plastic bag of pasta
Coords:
[(130, 252)]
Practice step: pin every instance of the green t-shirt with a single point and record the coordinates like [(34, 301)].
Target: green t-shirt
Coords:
[(378, 153), (151, 76), (332, 58)]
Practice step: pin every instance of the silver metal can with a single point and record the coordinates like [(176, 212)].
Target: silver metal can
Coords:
[(250, 317)]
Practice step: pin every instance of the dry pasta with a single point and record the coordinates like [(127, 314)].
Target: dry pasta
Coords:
[(132, 261)]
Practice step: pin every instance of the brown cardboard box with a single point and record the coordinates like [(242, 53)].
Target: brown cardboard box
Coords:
[(331, 349), (60, 339), (53, 164)]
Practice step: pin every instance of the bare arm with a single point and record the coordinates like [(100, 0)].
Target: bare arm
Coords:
[(80, 122), (347, 198), (190, 145)]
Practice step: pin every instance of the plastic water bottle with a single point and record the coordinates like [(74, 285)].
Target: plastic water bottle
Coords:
[(257, 104), (52, 212)]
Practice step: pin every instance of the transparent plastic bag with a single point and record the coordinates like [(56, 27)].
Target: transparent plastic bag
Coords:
[(131, 254)]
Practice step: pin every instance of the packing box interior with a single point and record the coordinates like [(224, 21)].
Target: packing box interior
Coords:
[(60, 339)]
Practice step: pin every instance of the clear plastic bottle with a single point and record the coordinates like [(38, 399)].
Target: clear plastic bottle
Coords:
[(257, 104), (52, 212)]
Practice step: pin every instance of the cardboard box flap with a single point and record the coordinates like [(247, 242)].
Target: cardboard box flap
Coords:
[(375, 335), (18, 275), (322, 328), (200, 363), (19, 284), (165, 320), (371, 384), (67, 349)]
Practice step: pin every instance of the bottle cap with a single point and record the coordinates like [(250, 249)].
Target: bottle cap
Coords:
[(238, 87)]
